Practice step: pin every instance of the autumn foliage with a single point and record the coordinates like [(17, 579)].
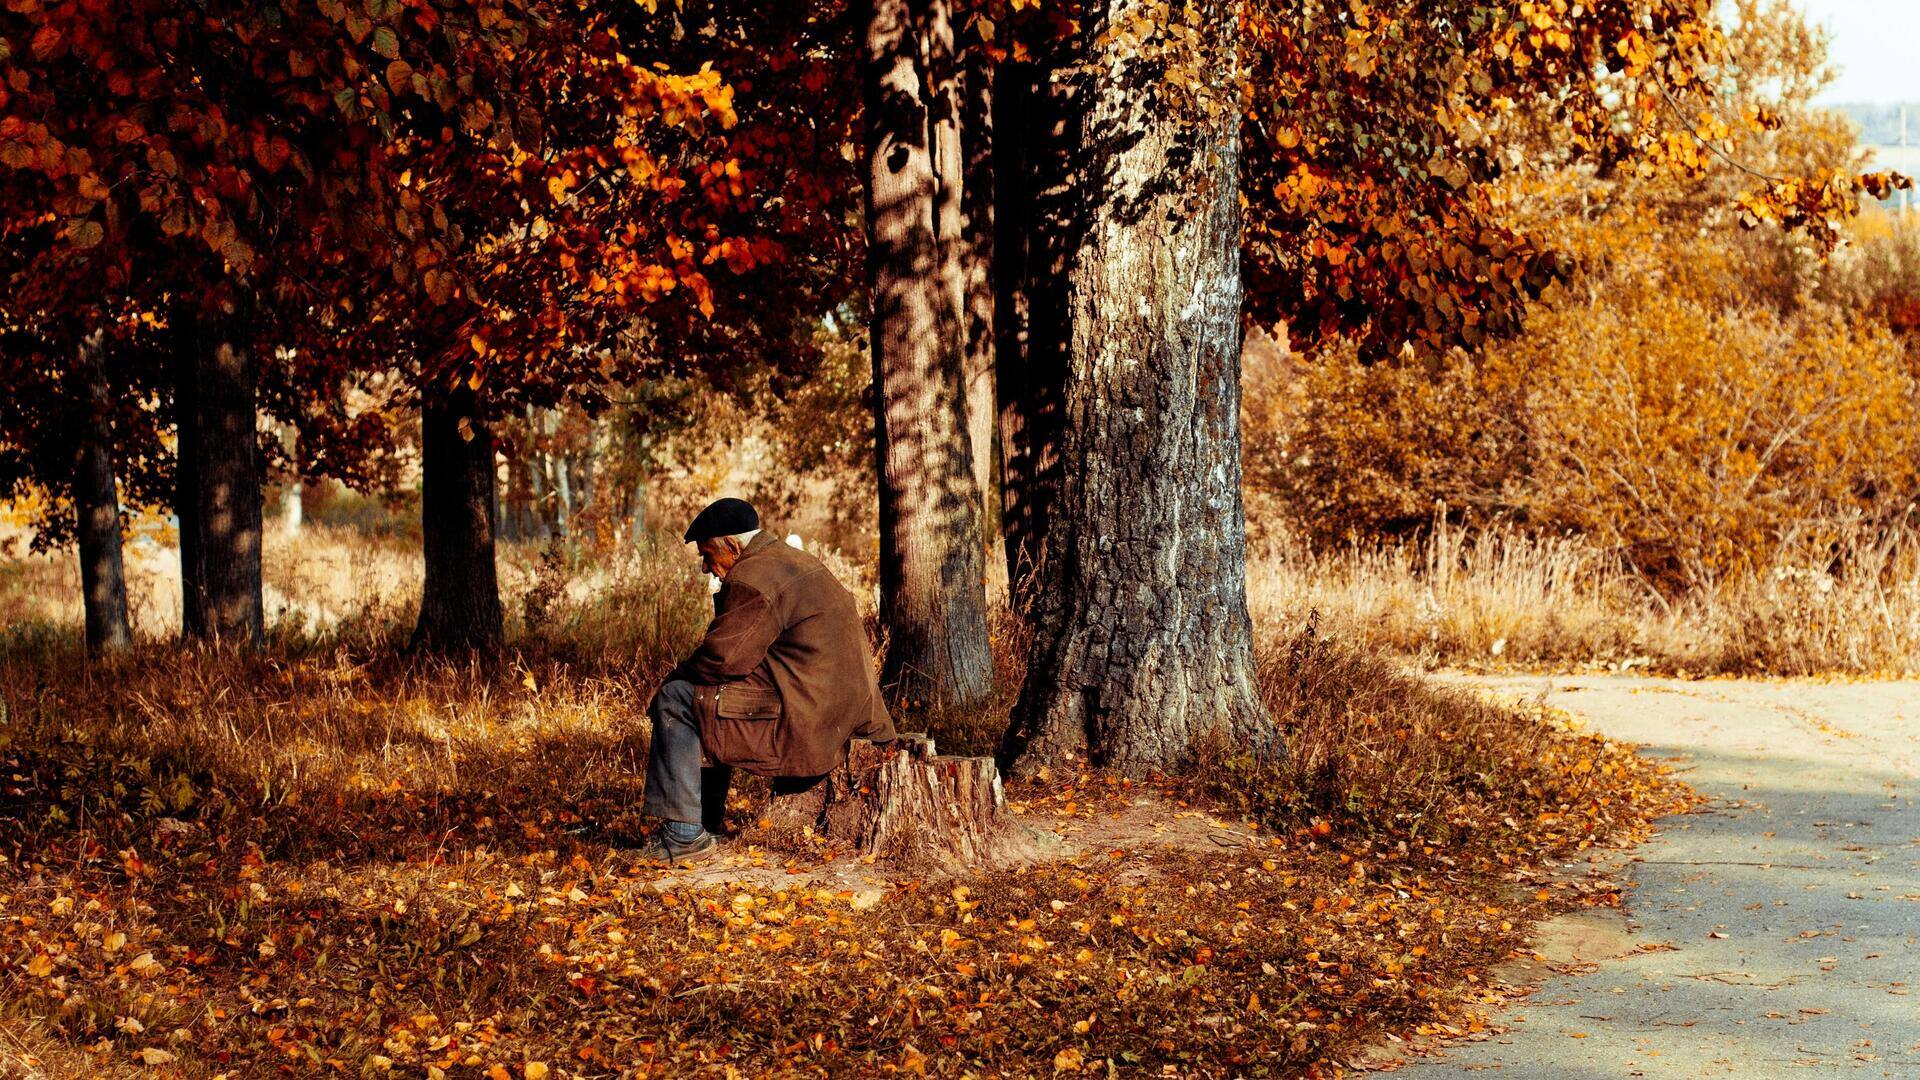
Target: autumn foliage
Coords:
[(1693, 397), (1693, 438), (1502, 238)]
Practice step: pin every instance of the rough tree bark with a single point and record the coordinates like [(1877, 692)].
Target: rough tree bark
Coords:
[(977, 268), (219, 478), (96, 503), (933, 599), (460, 601), (1143, 645)]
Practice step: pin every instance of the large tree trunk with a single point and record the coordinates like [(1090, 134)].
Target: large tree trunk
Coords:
[(460, 601), (219, 478), (976, 205), (96, 504), (1143, 645), (933, 598), (1036, 225)]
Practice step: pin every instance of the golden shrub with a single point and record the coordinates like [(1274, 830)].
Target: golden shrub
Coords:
[(1680, 406), (1697, 440), (1345, 451)]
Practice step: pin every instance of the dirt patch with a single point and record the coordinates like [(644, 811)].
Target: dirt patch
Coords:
[(1130, 824)]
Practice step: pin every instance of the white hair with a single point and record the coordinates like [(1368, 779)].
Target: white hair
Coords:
[(744, 538)]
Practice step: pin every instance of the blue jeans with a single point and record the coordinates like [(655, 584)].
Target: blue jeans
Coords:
[(678, 789)]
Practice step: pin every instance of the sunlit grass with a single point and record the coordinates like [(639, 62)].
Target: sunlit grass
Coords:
[(1502, 596)]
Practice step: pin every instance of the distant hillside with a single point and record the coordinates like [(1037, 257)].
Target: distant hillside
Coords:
[(1880, 123)]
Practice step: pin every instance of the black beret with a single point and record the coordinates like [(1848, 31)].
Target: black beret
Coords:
[(726, 517)]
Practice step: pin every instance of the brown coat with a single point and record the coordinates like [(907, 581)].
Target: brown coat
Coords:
[(784, 676)]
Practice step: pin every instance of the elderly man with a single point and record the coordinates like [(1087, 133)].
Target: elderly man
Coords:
[(782, 680)]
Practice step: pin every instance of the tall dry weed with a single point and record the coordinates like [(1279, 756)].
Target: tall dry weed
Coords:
[(1500, 595)]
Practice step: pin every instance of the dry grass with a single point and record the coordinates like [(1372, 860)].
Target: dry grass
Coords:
[(1501, 596)]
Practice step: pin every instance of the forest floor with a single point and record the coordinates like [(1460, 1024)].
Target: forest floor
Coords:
[(330, 857), (329, 861), (1773, 933)]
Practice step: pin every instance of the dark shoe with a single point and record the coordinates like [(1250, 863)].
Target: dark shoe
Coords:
[(665, 850)]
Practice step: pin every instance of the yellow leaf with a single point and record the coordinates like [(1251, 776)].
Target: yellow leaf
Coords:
[(40, 966), (114, 942), (153, 1055), (1068, 1060), (536, 1070)]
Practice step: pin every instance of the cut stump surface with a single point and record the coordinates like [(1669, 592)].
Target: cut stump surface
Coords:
[(902, 801)]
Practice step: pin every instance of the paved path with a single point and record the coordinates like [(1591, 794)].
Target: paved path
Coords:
[(1792, 906)]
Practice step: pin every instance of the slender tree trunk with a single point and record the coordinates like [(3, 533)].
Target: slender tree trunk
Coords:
[(219, 477), (933, 597), (586, 483), (536, 483), (562, 494), (460, 601), (184, 330), (1037, 222), (976, 205), (96, 504), (292, 508), (513, 498), (292, 496), (1144, 648), (637, 513), (558, 481)]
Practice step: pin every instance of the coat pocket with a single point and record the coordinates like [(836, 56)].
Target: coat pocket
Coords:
[(741, 726)]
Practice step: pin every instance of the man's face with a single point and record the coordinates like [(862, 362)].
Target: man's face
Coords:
[(718, 555)]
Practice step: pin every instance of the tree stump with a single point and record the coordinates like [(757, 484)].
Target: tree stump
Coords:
[(904, 802)]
